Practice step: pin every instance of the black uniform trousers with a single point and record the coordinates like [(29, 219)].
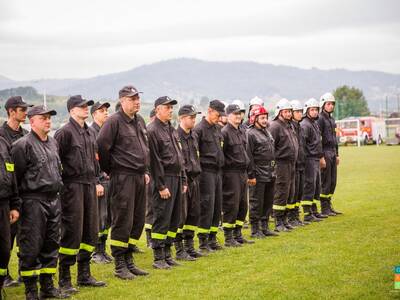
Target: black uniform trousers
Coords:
[(210, 202), (261, 200), (104, 211), (149, 206), (128, 205), (5, 239), (79, 223), (166, 213), (284, 187), (329, 176), (299, 190), (191, 211), (234, 201), (312, 184), (39, 234)]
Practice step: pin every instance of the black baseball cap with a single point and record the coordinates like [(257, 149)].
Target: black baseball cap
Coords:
[(16, 101), (78, 101), (164, 100), (98, 105), (218, 106), (40, 110), (128, 91), (188, 110), (232, 109)]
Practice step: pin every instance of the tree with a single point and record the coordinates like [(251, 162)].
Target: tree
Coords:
[(350, 102)]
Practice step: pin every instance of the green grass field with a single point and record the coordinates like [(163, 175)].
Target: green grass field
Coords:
[(345, 257)]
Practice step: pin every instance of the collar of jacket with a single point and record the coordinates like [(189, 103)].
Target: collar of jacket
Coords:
[(77, 126), (125, 117), (167, 124), (185, 135)]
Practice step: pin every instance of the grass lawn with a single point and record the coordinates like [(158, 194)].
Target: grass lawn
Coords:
[(351, 256)]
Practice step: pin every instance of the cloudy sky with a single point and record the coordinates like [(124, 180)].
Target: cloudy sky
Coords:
[(75, 38)]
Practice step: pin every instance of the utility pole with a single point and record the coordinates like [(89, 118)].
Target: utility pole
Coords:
[(387, 110), (398, 103)]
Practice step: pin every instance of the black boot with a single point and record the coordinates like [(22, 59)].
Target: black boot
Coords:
[(229, 240), (85, 278), (309, 217), (291, 218), (168, 257), (265, 230), (98, 256), (9, 281), (47, 289), (213, 242), (188, 245), (237, 235), (132, 267), (181, 254), (148, 238), (31, 289), (159, 259), (315, 212), (203, 244), (121, 270), (255, 231), (64, 280), (285, 221), (333, 210), (279, 225), (325, 209)]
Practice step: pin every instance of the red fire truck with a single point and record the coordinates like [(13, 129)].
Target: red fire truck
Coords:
[(365, 130)]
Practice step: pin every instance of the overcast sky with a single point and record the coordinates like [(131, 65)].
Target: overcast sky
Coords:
[(62, 39)]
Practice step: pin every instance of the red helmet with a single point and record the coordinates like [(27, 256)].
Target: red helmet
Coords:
[(257, 110)]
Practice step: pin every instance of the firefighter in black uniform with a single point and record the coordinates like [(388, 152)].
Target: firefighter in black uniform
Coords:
[(261, 152), (330, 148), (124, 155), (314, 158), (210, 143), (191, 199), (79, 221), (234, 179), (149, 195), (38, 172), (286, 150), (11, 131), (167, 171), (294, 207), (9, 206), (99, 112)]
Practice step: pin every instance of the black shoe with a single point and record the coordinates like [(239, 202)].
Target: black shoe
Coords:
[(31, 289), (47, 289), (237, 235), (267, 232), (99, 258), (64, 280), (121, 270), (213, 242), (229, 240), (204, 247), (132, 267), (188, 245), (168, 257), (85, 278), (159, 259), (320, 215), (10, 282)]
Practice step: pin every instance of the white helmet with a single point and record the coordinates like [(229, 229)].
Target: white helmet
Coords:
[(327, 97), (240, 104), (312, 102), (256, 101), (296, 105), (281, 105)]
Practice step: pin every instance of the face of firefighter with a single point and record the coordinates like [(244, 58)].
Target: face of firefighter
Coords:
[(80, 112), (100, 116), (212, 116), (130, 105), (41, 124), (329, 106), (164, 112), (17, 114), (242, 114), (223, 120), (261, 121), (312, 112), (297, 115), (286, 114), (235, 119), (187, 122)]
